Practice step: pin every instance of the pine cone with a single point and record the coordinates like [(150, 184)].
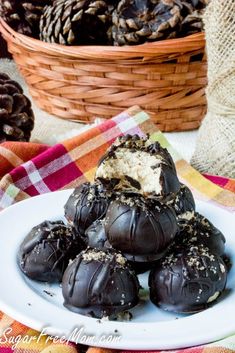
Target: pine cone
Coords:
[(189, 6), (12, 12), (192, 14), (202, 4), (192, 23), (138, 21), (3, 48), (33, 10), (23, 16), (16, 115), (76, 22)]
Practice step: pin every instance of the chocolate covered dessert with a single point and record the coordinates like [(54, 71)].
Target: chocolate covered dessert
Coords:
[(142, 267), (135, 217), (138, 165), (199, 231), (183, 201), (141, 228), (100, 283), (95, 236), (187, 281), (45, 252), (87, 203)]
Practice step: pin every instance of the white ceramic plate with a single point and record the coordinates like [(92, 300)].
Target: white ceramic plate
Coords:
[(40, 306)]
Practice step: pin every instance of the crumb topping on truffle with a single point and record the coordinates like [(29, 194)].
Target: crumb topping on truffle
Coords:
[(103, 256), (194, 258), (187, 216), (136, 200)]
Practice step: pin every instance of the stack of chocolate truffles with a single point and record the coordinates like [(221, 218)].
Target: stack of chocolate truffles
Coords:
[(135, 217), (141, 179)]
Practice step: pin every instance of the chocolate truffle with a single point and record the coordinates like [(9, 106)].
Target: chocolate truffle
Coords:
[(138, 165), (100, 283), (87, 203), (141, 228), (142, 267), (46, 251), (199, 231), (95, 236), (188, 281), (183, 201)]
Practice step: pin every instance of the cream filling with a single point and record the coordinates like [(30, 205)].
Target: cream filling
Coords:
[(213, 297), (138, 165)]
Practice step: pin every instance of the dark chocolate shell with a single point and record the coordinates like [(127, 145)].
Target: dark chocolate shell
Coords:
[(95, 236), (188, 281), (141, 228), (200, 231), (183, 201), (142, 267), (87, 203), (45, 252), (100, 283)]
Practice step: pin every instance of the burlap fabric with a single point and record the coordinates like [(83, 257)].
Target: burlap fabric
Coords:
[(215, 149)]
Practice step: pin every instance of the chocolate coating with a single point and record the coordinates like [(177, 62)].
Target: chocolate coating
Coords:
[(45, 252), (125, 181), (228, 261), (142, 267), (141, 228), (183, 201), (87, 203), (99, 283), (200, 231), (95, 236), (187, 282)]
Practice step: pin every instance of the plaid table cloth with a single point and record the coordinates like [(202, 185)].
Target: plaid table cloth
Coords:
[(28, 169)]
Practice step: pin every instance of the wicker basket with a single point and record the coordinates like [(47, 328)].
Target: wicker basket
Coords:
[(167, 78)]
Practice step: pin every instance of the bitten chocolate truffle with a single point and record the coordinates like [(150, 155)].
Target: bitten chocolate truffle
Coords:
[(138, 165), (87, 203), (188, 281), (183, 201), (200, 231), (46, 251), (141, 228), (100, 283)]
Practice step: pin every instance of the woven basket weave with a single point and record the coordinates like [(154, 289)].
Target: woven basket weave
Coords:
[(167, 79)]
